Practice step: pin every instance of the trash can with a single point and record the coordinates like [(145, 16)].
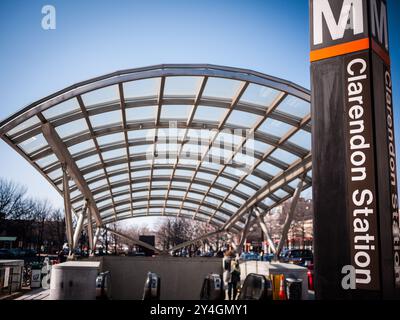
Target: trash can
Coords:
[(36, 275), (103, 285), (293, 288), (152, 287)]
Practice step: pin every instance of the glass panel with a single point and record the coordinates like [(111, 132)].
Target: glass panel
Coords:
[(199, 187), (244, 160), (218, 192), (147, 149), (120, 189), (88, 161), (33, 144), (24, 125), (162, 172), (44, 162), (83, 146), (226, 182), (219, 156), (280, 193), (102, 95), (97, 184), (236, 172), (229, 207), (141, 88), (145, 134), (257, 146), (104, 203), (259, 95), (268, 201), (110, 138), (72, 128), (120, 177), (226, 137), (141, 194), (117, 153), (180, 184), (177, 193), (252, 178), (294, 183), (62, 108), (182, 86), (106, 118), (93, 174), (284, 156), (101, 194), (175, 111), (268, 168), (246, 190), (221, 88), (159, 193), (142, 173), (274, 127), (236, 199), (140, 113), (210, 165), (195, 196), (294, 106), (117, 167), (56, 174), (205, 176), (184, 173), (137, 186), (302, 138), (209, 113)]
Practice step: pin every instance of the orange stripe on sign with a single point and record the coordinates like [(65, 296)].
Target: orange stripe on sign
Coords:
[(339, 49)]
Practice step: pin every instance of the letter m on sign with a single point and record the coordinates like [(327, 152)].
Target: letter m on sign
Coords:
[(333, 17)]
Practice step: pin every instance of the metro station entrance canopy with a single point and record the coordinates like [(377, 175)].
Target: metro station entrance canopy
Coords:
[(204, 142)]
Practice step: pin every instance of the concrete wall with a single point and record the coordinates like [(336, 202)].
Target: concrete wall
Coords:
[(181, 278)]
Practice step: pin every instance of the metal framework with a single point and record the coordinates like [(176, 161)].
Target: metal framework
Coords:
[(163, 141)]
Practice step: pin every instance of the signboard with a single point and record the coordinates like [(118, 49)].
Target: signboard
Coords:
[(356, 224)]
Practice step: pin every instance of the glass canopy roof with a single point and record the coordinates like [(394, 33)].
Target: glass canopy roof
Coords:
[(195, 141)]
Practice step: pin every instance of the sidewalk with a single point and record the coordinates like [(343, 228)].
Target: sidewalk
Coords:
[(36, 294)]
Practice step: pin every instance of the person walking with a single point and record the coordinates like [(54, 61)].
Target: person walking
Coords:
[(235, 280), (226, 265)]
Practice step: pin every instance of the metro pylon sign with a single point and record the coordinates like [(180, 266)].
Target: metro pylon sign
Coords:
[(356, 221)]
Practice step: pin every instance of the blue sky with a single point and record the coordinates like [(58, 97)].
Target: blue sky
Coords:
[(97, 37)]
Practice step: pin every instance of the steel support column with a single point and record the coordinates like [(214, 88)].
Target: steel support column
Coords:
[(67, 209), (289, 217), (265, 230), (135, 241), (188, 243), (96, 238), (90, 230), (246, 228), (79, 225)]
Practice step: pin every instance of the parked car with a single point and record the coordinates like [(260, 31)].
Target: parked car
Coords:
[(298, 256)]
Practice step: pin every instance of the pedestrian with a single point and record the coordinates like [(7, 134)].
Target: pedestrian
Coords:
[(227, 265), (235, 279), (262, 255)]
